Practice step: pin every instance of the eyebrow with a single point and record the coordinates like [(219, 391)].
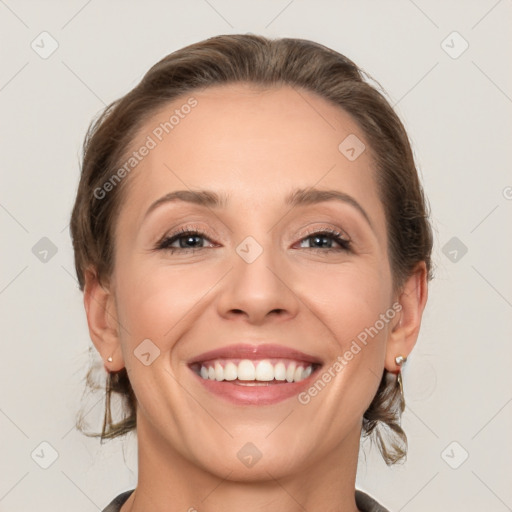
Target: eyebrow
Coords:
[(302, 197), (298, 197)]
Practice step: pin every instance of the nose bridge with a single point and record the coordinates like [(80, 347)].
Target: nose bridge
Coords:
[(257, 284)]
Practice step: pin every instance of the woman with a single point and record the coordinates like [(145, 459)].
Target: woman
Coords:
[(254, 249)]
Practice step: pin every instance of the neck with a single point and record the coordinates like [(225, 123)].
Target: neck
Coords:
[(169, 482)]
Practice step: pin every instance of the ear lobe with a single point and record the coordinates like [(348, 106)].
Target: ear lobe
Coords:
[(102, 321), (404, 334)]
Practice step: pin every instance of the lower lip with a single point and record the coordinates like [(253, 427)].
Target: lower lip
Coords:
[(258, 394)]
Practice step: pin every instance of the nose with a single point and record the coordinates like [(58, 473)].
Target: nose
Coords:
[(258, 290)]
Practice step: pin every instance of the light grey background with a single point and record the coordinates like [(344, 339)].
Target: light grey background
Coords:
[(458, 114)]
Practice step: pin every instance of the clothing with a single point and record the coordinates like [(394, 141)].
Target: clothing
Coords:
[(116, 504), (364, 502)]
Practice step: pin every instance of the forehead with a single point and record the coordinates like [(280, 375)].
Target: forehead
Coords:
[(255, 144)]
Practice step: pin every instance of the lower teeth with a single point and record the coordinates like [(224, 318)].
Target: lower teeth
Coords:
[(241, 383), (255, 382)]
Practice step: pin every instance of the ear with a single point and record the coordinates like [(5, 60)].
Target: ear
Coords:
[(404, 333), (102, 321)]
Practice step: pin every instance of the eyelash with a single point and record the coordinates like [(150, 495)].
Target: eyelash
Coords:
[(332, 234)]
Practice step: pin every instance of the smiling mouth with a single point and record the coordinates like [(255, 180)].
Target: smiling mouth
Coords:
[(248, 372)]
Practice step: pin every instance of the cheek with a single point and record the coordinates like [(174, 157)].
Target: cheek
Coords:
[(157, 301), (347, 299), (353, 306), (349, 303)]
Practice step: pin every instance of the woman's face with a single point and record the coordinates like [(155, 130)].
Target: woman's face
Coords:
[(262, 270)]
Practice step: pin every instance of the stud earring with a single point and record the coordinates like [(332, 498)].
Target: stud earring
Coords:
[(109, 359), (399, 360)]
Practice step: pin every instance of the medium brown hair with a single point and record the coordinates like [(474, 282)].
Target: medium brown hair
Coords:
[(264, 62)]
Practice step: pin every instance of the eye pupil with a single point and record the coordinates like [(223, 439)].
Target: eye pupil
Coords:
[(324, 238), (188, 239)]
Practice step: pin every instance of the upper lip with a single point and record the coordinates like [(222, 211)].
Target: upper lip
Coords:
[(247, 351)]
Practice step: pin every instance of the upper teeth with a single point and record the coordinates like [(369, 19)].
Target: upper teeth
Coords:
[(263, 370)]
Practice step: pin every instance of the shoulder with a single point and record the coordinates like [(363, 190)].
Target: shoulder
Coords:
[(365, 503), (116, 504)]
